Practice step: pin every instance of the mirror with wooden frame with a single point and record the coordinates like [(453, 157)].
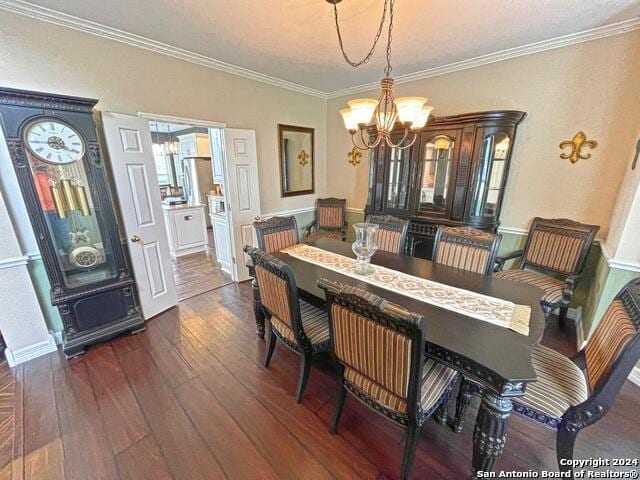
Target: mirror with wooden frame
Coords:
[(296, 149)]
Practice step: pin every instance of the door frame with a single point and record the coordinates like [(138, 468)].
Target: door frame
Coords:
[(158, 117)]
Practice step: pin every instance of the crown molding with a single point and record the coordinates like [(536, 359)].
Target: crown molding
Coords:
[(604, 31), (70, 21)]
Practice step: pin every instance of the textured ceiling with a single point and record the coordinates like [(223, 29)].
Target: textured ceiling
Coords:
[(295, 40)]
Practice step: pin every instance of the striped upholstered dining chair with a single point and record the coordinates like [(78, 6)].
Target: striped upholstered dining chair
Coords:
[(276, 233), (466, 248), (379, 349), (567, 400), (330, 221), (297, 324), (392, 232), (552, 260)]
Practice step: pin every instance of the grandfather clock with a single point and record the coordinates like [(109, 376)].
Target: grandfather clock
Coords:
[(55, 152)]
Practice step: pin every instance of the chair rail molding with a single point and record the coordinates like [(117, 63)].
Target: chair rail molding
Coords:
[(287, 213), (614, 262), (13, 262)]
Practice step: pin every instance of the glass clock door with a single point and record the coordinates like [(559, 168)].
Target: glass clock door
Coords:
[(64, 195)]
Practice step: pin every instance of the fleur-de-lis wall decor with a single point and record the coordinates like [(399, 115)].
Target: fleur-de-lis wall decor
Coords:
[(578, 141), (354, 156), (303, 157)]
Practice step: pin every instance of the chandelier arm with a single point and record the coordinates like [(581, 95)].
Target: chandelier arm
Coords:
[(369, 144), (399, 145), (359, 147), (375, 40)]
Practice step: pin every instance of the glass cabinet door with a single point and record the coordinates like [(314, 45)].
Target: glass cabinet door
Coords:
[(397, 178), (373, 158), (489, 173), (438, 158)]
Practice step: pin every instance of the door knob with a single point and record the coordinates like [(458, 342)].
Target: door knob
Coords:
[(135, 238)]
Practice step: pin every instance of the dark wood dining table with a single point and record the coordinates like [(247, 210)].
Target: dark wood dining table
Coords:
[(497, 359)]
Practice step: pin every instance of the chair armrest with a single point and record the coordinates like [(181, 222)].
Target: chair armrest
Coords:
[(570, 286), (500, 261), (307, 228)]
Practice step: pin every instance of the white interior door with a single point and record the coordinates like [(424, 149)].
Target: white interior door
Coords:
[(129, 144), (243, 194)]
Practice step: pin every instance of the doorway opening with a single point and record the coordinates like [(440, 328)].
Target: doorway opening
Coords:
[(189, 161)]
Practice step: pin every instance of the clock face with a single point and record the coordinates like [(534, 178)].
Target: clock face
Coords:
[(54, 142)]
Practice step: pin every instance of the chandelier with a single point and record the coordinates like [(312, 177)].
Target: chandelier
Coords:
[(170, 146), (411, 112)]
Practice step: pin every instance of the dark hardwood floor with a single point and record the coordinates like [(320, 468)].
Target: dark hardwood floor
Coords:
[(189, 399)]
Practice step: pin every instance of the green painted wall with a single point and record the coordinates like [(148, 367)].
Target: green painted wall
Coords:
[(303, 219), (615, 280), (43, 287)]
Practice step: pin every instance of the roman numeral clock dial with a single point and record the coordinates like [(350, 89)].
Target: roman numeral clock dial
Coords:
[(54, 142)]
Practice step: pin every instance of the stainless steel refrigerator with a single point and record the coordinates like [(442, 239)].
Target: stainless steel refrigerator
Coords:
[(198, 180)]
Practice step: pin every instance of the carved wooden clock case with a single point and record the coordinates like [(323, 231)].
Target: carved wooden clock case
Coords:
[(54, 148)]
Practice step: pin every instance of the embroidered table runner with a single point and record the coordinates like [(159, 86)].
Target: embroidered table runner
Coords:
[(471, 304)]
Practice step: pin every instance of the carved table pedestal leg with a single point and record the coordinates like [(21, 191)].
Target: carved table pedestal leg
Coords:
[(490, 432), (257, 309), (467, 389)]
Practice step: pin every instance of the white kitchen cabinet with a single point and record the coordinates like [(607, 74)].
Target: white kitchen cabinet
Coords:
[(217, 156), (221, 240), (194, 145), (186, 229)]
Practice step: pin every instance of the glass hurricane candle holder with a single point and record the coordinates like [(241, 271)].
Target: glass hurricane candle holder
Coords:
[(364, 247)]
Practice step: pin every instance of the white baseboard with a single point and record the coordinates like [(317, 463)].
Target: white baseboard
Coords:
[(24, 354), (634, 376)]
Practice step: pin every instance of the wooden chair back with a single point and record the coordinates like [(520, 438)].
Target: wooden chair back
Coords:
[(466, 248), (614, 347), (392, 232), (558, 245), (377, 341), (278, 293), (331, 213), (276, 233)]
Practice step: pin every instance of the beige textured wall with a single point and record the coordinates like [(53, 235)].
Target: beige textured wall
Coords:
[(622, 239), (40, 56), (591, 86)]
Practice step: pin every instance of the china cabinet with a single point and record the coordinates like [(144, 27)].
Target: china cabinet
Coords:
[(454, 174), (59, 166)]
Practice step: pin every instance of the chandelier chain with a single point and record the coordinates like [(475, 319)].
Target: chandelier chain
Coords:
[(387, 70), (375, 40)]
